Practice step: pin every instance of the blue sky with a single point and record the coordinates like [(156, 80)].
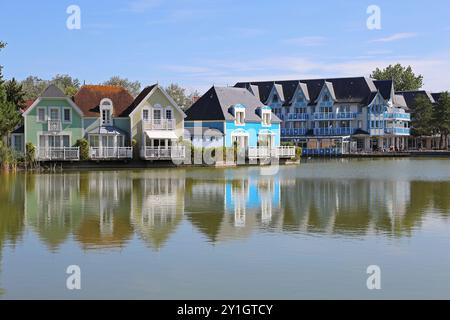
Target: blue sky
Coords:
[(198, 43)]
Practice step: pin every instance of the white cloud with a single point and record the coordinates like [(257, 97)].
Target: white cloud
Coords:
[(143, 5), (396, 37), (433, 68), (306, 41)]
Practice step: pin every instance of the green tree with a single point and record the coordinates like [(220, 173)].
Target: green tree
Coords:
[(33, 86), (404, 78), (133, 87), (14, 92), (441, 119), (66, 83), (422, 116), (2, 45), (9, 114), (179, 95)]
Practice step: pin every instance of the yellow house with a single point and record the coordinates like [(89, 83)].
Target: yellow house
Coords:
[(157, 125)]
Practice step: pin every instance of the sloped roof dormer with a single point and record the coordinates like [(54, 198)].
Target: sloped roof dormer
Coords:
[(277, 89), (328, 86), (303, 88)]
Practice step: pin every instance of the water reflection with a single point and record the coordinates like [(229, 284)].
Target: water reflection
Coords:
[(107, 209)]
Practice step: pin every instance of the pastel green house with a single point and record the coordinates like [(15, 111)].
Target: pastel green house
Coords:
[(53, 124)]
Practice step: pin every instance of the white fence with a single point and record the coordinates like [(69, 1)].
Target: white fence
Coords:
[(271, 152), (58, 154), (163, 153), (111, 153)]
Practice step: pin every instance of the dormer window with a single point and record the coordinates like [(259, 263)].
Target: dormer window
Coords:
[(326, 98), (106, 108), (240, 117), (266, 117), (275, 98)]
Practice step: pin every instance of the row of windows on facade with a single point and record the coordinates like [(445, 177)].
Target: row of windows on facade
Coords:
[(54, 114), (240, 118), (303, 110)]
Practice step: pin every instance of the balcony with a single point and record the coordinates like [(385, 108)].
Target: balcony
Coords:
[(397, 131), (111, 153), (333, 131), (54, 125), (397, 116), (271, 152), (58, 154), (163, 153), (294, 132), (159, 124), (335, 115), (297, 116)]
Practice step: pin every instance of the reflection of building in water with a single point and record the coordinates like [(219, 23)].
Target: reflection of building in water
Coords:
[(345, 206), (106, 198), (93, 206), (52, 206), (158, 205), (241, 205)]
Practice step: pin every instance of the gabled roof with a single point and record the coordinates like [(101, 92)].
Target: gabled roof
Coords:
[(141, 96), (279, 90), (52, 91), (145, 94), (330, 88), (346, 90), (436, 96), (88, 99), (411, 96), (385, 87), (215, 104)]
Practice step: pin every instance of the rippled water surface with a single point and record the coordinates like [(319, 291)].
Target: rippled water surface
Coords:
[(308, 231)]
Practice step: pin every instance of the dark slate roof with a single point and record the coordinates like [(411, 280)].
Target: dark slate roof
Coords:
[(138, 100), (216, 102), (354, 90), (410, 97), (52, 91), (436, 96), (20, 129), (88, 99), (385, 87)]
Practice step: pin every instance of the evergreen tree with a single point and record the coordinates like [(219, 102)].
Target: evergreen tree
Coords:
[(422, 116), (441, 119)]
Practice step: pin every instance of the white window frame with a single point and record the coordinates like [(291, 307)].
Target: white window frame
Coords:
[(37, 114), (63, 115), (50, 113), (236, 111), (109, 108), (171, 112), (269, 113), (148, 113)]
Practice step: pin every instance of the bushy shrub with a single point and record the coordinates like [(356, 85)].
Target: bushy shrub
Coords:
[(83, 144), (30, 153)]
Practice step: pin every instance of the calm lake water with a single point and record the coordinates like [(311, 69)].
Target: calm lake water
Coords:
[(309, 231)]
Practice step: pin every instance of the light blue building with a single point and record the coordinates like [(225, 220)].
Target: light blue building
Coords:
[(228, 116)]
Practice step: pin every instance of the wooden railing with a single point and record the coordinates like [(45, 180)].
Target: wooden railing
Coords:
[(54, 125)]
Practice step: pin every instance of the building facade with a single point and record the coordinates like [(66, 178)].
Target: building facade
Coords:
[(340, 115), (228, 117)]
